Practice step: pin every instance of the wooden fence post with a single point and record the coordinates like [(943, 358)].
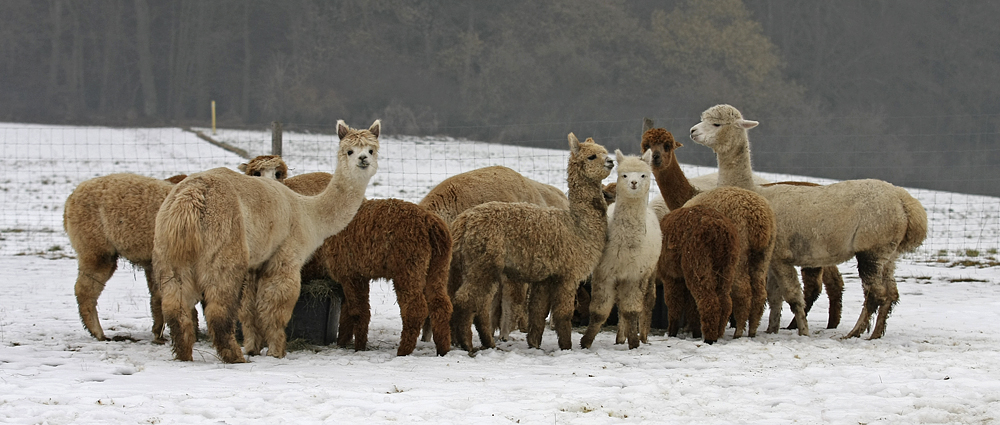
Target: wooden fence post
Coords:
[(275, 138)]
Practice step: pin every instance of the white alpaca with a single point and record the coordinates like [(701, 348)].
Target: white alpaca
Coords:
[(624, 273), (870, 220), (224, 236)]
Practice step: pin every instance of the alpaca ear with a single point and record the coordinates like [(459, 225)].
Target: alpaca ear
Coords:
[(342, 129), (619, 156), (648, 157), (747, 124), (574, 144), (376, 127), (243, 167)]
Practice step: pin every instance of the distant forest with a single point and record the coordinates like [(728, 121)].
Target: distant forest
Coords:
[(905, 91)]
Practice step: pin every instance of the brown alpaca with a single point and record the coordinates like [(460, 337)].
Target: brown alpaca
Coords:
[(551, 249), (748, 211), (113, 217), (870, 220), (240, 242), (697, 266), (389, 239), (496, 183)]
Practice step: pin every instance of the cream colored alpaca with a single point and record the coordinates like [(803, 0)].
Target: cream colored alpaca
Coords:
[(870, 220), (225, 236), (111, 217), (624, 273)]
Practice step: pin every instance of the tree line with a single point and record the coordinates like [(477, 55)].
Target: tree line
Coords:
[(844, 89)]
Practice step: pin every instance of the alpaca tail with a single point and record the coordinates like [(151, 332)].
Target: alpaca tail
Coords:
[(178, 223), (916, 222), (441, 249)]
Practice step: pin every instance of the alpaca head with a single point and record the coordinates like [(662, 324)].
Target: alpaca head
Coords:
[(269, 166), (722, 128), (609, 192), (588, 160), (634, 174), (661, 143), (358, 149)]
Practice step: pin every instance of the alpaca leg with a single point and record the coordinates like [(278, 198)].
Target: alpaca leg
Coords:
[(833, 281), (356, 292), (868, 270), (412, 310), (439, 312), (791, 291), (178, 298), (276, 296), (511, 306), (740, 299), (758, 265), (156, 306), (886, 296), (94, 272), (602, 298), (812, 285), (345, 328), (563, 300), (483, 321), (631, 300), (461, 319), (253, 340), (538, 310), (221, 310), (774, 301), (709, 307), (649, 303), (674, 298)]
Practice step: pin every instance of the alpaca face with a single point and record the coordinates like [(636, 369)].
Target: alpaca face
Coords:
[(662, 145), (359, 148), (590, 157), (267, 166), (634, 174), (720, 126)]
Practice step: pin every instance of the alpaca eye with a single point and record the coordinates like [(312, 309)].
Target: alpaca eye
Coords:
[(717, 125), (592, 157), (255, 174), (279, 175), (371, 151), (350, 152)]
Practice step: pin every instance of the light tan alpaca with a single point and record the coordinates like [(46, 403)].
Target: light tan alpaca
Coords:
[(112, 217), (220, 233), (492, 184), (549, 248), (870, 220)]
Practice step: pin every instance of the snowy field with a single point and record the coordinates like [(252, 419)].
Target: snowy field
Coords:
[(938, 363)]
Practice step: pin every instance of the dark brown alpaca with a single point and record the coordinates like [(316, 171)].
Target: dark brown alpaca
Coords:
[(697, 265), (748, 211), (389, 239)]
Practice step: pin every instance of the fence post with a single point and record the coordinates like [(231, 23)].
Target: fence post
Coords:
[(275, 138)]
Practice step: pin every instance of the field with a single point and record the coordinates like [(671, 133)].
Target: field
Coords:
[(938, 362)]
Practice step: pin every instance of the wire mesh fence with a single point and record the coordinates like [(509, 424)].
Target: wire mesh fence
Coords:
[(42, 164)]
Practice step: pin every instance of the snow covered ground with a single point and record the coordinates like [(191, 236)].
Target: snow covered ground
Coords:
[(938, 363)]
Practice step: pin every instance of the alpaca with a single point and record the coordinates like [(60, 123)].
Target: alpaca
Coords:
[(551, 249), (489, 184), (234, 239), (390, 239), (697, 265), (111, 217), (814, 279), (629, 259), (270, 166), (748, 211), (870, 220)]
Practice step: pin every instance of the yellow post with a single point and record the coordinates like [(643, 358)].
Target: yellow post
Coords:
[(213, 117)]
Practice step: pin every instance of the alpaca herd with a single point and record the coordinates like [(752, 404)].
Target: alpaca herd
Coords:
[(491, 249)]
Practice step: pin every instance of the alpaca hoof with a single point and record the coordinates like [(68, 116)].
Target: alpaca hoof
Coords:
[(710, 341), (159, 340)]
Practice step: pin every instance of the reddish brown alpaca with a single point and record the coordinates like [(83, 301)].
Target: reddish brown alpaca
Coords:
[(676, 191), (389, 239), (697, 265), (748, 211)]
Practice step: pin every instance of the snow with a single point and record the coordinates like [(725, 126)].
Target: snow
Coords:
[(938, 362)]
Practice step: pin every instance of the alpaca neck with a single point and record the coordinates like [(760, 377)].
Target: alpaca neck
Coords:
[(734, 165), (586, 204), (332, 208), (630, 213), (673, 184)]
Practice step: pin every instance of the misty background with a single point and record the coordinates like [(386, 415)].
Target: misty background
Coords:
[(904, 91)]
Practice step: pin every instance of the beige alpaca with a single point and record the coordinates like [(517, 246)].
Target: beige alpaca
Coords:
[(492, 184), (219, 233), (113, 216), (551, 249), (870, 220)]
